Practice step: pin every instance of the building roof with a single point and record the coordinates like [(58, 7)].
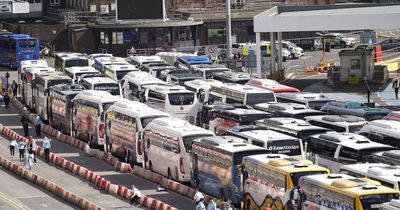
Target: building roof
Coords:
[(143, 23)]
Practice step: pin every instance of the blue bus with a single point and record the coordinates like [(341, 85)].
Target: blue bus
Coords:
[(216, 166), (15, 48), (187, 61)]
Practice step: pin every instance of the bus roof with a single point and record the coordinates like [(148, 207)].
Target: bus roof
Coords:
[(351, 140), (289, 123), (165, 89), (99, 80), (210, 67), (15, 36), (80, 69), (179, 127), (142, 78), (346, 184), (98, 96), (238, 88), (71, 56), (68, 89), (141, 59), (265, 135), (233, 76), (304, 96), (34, 63), (109, 59), (119, 67), (284, 163), (203, 83), (392, 125), (195, 59), (385, 172), (40, 70), (53, 76), (136, 109), (338, 119), (291, 108)]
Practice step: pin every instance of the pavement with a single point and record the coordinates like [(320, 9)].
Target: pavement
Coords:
[(386, 94)]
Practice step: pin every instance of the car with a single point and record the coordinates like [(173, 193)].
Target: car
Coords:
[(310, 44), (389, 44), (395, 115), (354, 108), (337, 39), (295, 51)]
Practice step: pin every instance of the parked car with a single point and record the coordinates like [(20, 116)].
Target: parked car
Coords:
[(340, 40), (390, 44), (356, 109), (310, 44), (295, 51), (393, 116)]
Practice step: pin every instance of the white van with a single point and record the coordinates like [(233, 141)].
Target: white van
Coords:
[(168, 144)]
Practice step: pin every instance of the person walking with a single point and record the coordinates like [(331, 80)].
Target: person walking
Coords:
[(200, 205), (135, 196), (396, 86), (25, 125), (211, 205), (14, 87), (46, 145), (30, 158), (6, 100), (33, 146), (13, 145), (197, 196), (38, 126), (21, 147)]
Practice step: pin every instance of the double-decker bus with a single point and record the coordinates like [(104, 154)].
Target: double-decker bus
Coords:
[(43, 82), (27, 89), (341, 191), (59, 106), (173, 99), (168, 144), (216, 165), (269, 178), (124, 121), (15, 48), (89, 108)]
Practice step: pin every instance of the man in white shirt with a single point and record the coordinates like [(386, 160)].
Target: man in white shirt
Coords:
[(135, 195), (197, 197)]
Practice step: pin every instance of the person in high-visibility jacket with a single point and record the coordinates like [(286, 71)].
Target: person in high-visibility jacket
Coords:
[(396, 86)]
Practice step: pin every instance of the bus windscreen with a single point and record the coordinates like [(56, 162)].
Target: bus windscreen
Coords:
[(110, 87), (177, 99), (238, 157), (51, 83), (258, 98), (373, 201), (76, 62), (289, 147), (26, 43)]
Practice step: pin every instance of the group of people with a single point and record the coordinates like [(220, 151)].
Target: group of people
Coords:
[(38, 125), (27, 150), (207, 203)]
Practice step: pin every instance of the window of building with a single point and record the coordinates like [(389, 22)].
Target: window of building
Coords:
[(355, 64), (54, 2), (103, 37)]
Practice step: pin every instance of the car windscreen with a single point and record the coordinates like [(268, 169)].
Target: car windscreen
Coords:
[(112, 88), (289, 147), (76, 62), (258, 98), (176, 99)]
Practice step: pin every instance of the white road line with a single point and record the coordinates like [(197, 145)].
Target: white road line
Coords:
[(74, 154), (153, 192), (106, 173), (306, 57), (8, 115)]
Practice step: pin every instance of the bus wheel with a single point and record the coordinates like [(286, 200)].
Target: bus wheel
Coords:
[(110, 148), (198, 184), (248, 204), (222, 193), (169, 176)]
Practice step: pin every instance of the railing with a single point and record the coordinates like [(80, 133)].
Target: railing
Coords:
[(70, 15)]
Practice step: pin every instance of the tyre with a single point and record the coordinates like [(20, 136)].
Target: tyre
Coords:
[(343, 45), (222, 193), (169, 175), (91, 144), (291, 56), (312, 48), (151, 166)]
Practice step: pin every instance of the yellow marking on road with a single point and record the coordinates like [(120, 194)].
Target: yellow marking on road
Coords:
[(12, 202)]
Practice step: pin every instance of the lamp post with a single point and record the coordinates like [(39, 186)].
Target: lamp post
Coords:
[(228, 30)]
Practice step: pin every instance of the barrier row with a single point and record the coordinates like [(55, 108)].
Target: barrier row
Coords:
[(102, 183), (48, 185)]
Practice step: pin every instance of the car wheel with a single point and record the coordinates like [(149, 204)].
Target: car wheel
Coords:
[(343, 45), (312, 48), (291, 56)]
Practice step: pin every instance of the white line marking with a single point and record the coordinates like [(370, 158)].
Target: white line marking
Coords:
[(8, 115)]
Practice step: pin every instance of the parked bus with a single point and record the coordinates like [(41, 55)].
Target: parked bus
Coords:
[(391, 157), (216, 165), (292, 127), (334, 149), (168, 144), (312, 100), (208, 70), (221, 117), (15, 48), (155, 69), (201, 87), (102, 83), (117, 72), (76, 72), (93, 56), (186, 62), (43, 82), (341, 191), (269, 178), (89, 108), (274, 142), (66, 60), (124, 121), (172, 99), (60, 104), (298, 111), (383, 131), (178, 77), (138, 61), (387, 175), (338, 123), (271, 85), (101, 62), (232, 77), (172, 57), (133, 83), (27, 87), (236, 93), (392, 205)]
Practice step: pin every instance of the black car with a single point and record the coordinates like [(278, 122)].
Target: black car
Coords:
[(390, 44), (310, 44)]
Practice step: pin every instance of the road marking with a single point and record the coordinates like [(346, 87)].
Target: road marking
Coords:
[(16, 127), (32, 196), (153, 192), (306, 57), (13, 202), (106, 173), (73, 154), (8, 115)]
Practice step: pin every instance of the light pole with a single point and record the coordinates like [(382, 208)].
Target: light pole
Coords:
[(228, 30)]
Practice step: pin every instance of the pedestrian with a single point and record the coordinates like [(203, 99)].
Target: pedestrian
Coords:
[(200, 205), (30, 158), (13, 145), (197, 196), (396, 86), (33, 146), (26, 157), (46, 145), (135, 196), (38, 124), (25, 125), (6, 100), (14, 87), (211, 205), (21, 147)]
